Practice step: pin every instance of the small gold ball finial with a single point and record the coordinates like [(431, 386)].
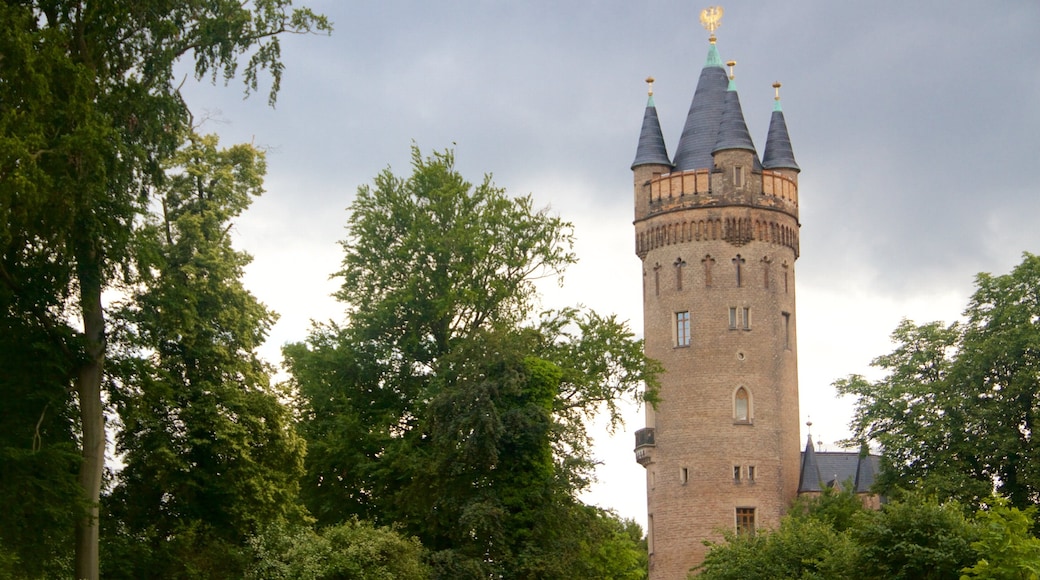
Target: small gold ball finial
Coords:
[(650, 86), (776, 87), (731, 64), (711, 19)]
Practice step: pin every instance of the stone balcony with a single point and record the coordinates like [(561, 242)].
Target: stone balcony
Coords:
[(644, 446)]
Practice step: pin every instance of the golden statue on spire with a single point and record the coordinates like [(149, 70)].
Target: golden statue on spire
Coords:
[(711, 19)]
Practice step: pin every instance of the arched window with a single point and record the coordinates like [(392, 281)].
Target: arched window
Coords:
[(742, 406)]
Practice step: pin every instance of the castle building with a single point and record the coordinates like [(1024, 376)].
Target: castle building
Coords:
[(717, 229)]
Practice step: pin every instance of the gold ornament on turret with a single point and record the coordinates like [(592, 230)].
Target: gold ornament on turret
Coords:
[(711, 19)]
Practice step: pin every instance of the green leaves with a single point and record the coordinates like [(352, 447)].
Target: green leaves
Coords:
[(89, 119), (446, 405), (956, 412), (209, 450), (431, 258)]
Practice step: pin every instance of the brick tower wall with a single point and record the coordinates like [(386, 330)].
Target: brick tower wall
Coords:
[(692, 231)]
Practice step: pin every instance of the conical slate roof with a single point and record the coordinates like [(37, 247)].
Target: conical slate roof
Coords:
[(809, 479), (700, 134), (651, 149), (778, 154), (733, 131), (866, 471)]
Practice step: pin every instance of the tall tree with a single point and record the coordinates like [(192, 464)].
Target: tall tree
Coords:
[(209, 450), (458, 413), (956, 412), (90, 110)]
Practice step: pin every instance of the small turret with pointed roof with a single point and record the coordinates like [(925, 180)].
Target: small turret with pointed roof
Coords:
[(733, 131), (778, 153), (809, 479), (651, 149)]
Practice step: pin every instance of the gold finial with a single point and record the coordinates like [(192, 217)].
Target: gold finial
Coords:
[(711, 18), (776, 87), (650, 86), (731, 64)]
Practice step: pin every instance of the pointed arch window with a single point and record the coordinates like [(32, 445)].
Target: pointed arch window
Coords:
[(742, 406)]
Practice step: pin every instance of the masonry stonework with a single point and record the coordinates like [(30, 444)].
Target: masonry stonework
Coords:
[(718, 245)]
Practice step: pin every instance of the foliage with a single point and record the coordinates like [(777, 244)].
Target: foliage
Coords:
[(956, 412), (836, 508), (803, 548), (353, 550), (209, 451), (91, 110), (39, 496), (445, 405), (914, 537), (1005, 547)]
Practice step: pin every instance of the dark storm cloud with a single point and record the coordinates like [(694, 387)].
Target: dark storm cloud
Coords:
[(916, 125)]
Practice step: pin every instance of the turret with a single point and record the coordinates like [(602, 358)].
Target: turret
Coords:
[(734, 155), (651, 154), (779, 155)]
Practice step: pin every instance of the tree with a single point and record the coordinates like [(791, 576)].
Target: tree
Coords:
[(91, 110), (353, 550), (802, 548), (1005, 547), (827, 538), (914, 537), (956, 412), (209, 450), (459, 413)]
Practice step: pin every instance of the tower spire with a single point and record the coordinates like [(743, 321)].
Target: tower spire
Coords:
[(651, 149), (778, 153)]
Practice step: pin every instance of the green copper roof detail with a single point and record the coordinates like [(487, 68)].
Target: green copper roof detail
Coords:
[(650, 102), (732, 85), (713, 57), (776, 106)]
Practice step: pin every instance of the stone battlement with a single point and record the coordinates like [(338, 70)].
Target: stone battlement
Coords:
[(690, 189)]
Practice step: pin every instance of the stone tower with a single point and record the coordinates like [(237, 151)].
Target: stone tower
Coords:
[(717, 232)]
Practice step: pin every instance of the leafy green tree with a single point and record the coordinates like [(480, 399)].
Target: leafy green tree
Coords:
[(956, 412), (804, 548), (91, 110), (209, 450), (1005, 547), (914, 537), (352, 550), (829, 538), (38, 451), (446, 405), (836, 508)]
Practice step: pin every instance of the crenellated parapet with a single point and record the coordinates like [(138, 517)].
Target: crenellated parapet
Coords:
[(691, 189)]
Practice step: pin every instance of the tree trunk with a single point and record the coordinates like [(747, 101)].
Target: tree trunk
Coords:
[(92, 417)]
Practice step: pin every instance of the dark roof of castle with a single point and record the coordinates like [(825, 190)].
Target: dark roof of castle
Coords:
[(822, 469), (651, 149), (700, 134), (733, 131), (778, 154)]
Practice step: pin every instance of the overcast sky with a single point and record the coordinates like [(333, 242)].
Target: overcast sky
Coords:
[(916, 125)]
